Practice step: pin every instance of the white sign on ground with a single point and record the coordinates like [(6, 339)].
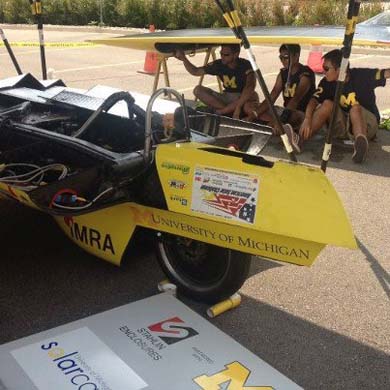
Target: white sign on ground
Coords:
[(154, 344), (76, 358)]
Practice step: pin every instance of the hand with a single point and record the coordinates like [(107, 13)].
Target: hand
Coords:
[(305, 132), (237, 112), (179, 54), (168, 121)]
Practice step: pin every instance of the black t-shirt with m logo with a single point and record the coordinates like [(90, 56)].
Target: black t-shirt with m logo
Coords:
[(233, 79), (359, 89)]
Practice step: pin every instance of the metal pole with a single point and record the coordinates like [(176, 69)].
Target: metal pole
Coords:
[(10, 52), (353, 12), (101, 4), (36, 8), (234, 23)]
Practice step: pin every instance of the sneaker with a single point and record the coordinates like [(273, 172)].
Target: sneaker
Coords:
[(360, 149), (293, 137)]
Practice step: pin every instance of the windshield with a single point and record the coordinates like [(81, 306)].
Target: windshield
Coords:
[(382, 19)]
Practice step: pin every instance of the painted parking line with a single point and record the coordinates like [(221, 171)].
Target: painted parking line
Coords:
[(51, 44), (55, 49), (98, 66)]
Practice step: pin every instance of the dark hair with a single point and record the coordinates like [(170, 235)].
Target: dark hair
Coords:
[(234, 47), (292, 49), (334, 56)]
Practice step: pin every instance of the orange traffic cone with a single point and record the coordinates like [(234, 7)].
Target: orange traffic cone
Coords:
[(151, 59), (314, 60)]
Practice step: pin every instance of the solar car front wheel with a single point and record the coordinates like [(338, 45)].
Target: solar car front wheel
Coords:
[(202, 271)]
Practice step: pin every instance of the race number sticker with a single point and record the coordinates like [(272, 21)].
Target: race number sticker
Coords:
[(226, 194)]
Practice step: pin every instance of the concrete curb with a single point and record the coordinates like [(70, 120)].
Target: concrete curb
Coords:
[(92, 29)]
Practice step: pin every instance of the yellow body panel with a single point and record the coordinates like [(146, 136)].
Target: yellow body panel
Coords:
[(288, 212), (292, 200), (112, 228)]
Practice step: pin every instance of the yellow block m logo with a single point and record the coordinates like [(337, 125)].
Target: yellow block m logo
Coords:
[(227, 82), (348, 101), (234, 373), (289, 91)]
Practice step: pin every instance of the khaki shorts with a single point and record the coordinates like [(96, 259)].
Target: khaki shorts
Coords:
[(343, 128), (225, 97)]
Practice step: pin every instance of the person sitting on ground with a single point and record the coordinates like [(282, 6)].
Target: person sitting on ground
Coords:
[(238, 80), (358, 118), (297, 83)]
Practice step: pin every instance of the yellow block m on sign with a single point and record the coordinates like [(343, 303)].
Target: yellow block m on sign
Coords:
[(235, 373)]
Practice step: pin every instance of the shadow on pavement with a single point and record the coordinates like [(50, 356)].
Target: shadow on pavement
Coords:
[(46, 281), (381, 274), (313, 357)]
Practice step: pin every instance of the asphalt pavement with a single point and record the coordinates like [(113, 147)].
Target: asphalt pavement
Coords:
[(324, 327)]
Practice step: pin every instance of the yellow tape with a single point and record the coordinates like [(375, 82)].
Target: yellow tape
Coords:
[(38, 7), (51, 44), (236, 18), (351, 25), (228, 19)]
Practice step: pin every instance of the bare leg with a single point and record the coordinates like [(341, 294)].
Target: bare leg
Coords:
[(359, 130), (249, 109), (202, 93), (321, 116), (359, 126)]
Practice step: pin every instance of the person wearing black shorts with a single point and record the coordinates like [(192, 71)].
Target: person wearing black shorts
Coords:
[(359, 117), (237, 77)]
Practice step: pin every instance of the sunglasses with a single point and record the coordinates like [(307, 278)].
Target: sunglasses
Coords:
[(284, 57)]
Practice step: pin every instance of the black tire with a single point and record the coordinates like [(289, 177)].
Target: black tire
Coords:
[(201, 271)]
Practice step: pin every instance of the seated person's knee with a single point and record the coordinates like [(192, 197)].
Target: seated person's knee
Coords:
[(196, 91)]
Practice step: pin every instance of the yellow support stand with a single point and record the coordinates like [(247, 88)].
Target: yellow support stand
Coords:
[(162, 67), (224, 306), (165, 285)]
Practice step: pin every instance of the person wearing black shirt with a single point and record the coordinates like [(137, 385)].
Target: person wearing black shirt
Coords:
[(296, 83), (359, 117), (238, 80)]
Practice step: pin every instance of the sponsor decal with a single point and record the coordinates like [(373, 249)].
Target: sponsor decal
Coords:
[(145, 341), (234, 377), (172, 330), (180, 199), (89, 236), (226, 194), (177, 184), (77, 360), (153, 339), (184, 169)]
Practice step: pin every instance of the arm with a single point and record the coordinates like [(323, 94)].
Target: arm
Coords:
[(191, 68), (306, 129), (276, 91)]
